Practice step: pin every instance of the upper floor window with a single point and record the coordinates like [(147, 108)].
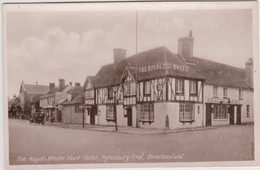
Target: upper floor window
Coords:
[(215, 91), (69, 97), (240, 94), (90, 94), (147, 87), (193, 87), (110, 92), (179, 86), (129, 88), (225, 92)]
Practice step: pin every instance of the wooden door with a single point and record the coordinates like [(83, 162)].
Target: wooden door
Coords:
[(208, 114), (129, 117)]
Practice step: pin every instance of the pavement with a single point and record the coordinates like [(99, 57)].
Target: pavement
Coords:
[(128, 130)]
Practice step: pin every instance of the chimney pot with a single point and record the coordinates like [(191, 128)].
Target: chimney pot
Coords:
[(249, 74), (119, 54), (61, 83), (77, 84), (51, 86), (185, 46)]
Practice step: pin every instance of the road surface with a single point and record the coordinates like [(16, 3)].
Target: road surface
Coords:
[(37, 144)]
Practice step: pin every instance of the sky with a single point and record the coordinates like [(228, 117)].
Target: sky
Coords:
[(46, 46)]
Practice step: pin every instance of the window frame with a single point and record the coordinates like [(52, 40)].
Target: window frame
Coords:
[(145, 88), (240, 94), (215, 91), (182, 112), (131, 86), (110, 118), (225, 92), (109, 93), (196, 87), (77, 108), (247, 111), (220, 112), (150, 112), (177, 86)]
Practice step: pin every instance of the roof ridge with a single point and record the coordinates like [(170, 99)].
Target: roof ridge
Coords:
[(217, 62)]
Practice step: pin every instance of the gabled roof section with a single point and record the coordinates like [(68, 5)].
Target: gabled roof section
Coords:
[(154, 63), (35, 88), (77, 100), (89, 82), (218, 74)]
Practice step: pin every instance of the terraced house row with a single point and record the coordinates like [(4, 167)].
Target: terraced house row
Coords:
[(160, 89), (153, 89)]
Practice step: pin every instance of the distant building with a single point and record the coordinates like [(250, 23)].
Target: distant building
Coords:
[(50, 102), (27, 93), (72, 109), (169, 90)]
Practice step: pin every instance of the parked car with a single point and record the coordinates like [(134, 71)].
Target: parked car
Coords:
[(38, 117)]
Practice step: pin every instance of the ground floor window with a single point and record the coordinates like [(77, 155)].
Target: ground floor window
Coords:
[(110, 112), (220, 111), (147, 112), (247, 111), (187, 113), (78, 109)]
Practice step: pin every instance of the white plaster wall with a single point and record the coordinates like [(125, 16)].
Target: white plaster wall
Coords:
[(248, 100), (160, 111), (173, 113), (100, 119)]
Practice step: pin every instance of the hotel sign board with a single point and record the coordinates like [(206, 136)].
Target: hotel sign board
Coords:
[(162, 66)]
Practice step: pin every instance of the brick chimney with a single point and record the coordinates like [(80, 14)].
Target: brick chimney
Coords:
[(249, 75), (51, 86), (61, 83), (77, 84), (185, 46), (119, 54)]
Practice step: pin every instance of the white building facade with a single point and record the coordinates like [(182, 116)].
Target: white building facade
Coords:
[(159, 89)]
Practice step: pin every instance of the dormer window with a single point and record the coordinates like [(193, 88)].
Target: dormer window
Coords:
[(129, 88)]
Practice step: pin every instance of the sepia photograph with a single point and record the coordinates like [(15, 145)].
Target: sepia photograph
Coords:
[(130, 84)]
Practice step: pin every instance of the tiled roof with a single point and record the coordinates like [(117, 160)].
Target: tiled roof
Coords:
[(36, 89), (219, 74), (213, 73), (110, 75), (75, 90), (76, 100)]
